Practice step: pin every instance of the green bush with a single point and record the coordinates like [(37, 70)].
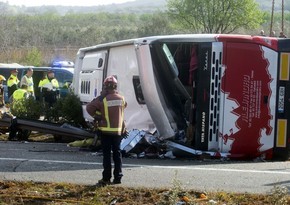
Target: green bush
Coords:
[(27, 109), (66, 110)]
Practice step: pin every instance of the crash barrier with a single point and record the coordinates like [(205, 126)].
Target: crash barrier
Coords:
[(46, 127)]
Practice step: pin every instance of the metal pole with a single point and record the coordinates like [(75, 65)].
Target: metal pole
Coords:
[(272, 16), (282, 29)]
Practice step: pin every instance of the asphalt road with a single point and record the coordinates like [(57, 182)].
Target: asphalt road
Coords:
[(51, 162)]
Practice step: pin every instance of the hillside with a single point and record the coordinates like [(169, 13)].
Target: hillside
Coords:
[(137, 6), (267, 5)]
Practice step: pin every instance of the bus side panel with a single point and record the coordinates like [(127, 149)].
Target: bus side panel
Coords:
[(123, 63), (249, 89)]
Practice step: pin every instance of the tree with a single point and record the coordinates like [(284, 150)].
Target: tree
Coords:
[(215, 16), (33, 57), (157, 23)]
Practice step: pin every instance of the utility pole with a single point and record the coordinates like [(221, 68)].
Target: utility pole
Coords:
[(272, 16), (282, 29)]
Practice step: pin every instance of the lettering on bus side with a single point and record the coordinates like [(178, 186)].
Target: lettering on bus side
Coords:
[(281, 99), (205, 61), (203, 127)]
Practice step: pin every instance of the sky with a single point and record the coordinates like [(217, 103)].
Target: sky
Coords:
[(63, 2)]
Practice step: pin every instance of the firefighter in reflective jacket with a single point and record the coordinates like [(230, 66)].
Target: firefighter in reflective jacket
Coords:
[(110, 108), (49, 88)]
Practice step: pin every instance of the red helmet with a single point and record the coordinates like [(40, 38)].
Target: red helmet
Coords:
[(110, 80)]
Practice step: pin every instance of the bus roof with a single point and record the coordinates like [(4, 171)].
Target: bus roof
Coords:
[(147, 40), (267, 41)]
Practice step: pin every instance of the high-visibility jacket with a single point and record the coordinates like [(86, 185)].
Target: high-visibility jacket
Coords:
[(29, 82), (13, 80), (111, 108), (12, 84), (40, 84), (20, 94), (49, 83)]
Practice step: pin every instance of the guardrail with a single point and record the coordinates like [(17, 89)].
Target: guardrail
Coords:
[(47, 128)]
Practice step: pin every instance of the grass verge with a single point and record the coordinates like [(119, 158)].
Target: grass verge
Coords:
[(35, 193)]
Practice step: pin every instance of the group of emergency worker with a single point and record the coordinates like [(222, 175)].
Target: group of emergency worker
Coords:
[(24, 88)]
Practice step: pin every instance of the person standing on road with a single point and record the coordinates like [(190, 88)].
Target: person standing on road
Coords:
[(49, 88), (28, 80), (110, 108), (12, 82)]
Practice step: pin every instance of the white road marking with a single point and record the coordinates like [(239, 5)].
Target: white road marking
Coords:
[(153, 166)]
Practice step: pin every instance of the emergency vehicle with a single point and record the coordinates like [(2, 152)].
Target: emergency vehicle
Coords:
[(237, 104), (64, 75)]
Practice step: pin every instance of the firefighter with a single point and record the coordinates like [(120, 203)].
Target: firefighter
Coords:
[(110, 107), (28, 80), (12, 82), (49, 88), (2, 95)]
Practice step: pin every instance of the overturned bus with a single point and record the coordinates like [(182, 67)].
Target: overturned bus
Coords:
[(226, 94)]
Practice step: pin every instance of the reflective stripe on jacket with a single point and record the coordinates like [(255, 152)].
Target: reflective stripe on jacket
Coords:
[(112, 112)]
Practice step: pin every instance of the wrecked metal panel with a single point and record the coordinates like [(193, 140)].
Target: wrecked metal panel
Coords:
[(135, 136), (151, 92), (194, 151)]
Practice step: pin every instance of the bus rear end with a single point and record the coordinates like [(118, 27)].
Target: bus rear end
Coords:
[(282, 140), (255, 97)]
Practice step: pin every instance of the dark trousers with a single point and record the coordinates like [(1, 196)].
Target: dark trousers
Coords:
[(111, 143), (50, 98)]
